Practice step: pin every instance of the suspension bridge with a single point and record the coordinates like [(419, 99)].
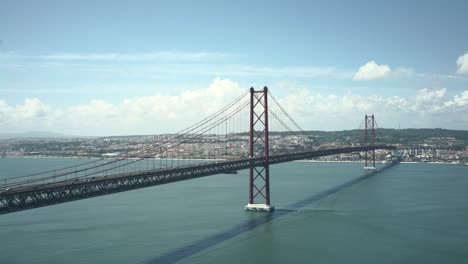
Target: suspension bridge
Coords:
[(252, 132)]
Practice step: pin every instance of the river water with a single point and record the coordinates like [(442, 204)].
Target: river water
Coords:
[(410, 213)]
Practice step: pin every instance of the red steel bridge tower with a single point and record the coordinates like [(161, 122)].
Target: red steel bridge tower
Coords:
[(259, 175), (369, 140)]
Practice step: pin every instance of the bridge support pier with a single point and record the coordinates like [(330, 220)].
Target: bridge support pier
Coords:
[(259, 207), (369, 139), (259, 176)]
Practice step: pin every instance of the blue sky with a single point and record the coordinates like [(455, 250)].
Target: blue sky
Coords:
[(60, 57)]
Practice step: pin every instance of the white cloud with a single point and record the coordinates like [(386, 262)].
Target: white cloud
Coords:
[(462, 63), (164, 65), (372, 71), (173, 64), (402, 72), (428, 101), (151, 56), (232, 70), (427, 108), (459, 100), (287, 71), (170, 113), (425, 95), (32, 109), (145, 114), (116, 57)]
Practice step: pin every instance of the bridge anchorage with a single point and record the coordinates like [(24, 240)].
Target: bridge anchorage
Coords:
[(259, 175)]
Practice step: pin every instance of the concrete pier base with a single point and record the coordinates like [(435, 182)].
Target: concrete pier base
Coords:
[(259, 207)]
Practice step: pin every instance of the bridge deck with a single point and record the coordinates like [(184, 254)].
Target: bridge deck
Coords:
[(33, 196)]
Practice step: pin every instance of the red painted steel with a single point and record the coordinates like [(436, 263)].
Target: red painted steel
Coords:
[(369, 122), (259, 176), (251, 153), (267, 152)]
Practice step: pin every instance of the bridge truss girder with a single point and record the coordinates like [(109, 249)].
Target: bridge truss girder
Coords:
[(30, 197)]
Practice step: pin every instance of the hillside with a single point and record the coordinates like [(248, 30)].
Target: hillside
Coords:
[(457, 139)]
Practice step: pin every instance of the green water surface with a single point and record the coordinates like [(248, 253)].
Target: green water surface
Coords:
[(410, 213)]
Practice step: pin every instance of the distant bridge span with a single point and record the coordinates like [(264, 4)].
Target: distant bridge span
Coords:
[(29, 197)]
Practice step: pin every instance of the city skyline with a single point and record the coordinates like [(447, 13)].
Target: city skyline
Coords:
[(95, 69)]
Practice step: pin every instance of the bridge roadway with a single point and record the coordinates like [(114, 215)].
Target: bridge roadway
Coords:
[(38, 195)]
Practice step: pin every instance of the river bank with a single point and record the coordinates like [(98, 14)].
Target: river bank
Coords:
[(313, 161), (378, 162)]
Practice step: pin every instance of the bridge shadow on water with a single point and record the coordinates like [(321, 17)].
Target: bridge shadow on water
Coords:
[(248, 225)]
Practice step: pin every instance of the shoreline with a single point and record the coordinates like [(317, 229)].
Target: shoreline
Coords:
[(92, 158), (377, 162), (307, 161)]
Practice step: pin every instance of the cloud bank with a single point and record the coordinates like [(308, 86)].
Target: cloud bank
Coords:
[(428, 108), (139, 115), (170, 113)]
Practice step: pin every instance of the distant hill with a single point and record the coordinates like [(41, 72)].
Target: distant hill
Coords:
[(413, 136), (430, 136), (31, 134)]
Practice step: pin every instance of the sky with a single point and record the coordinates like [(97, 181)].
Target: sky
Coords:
[(96, 68)]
